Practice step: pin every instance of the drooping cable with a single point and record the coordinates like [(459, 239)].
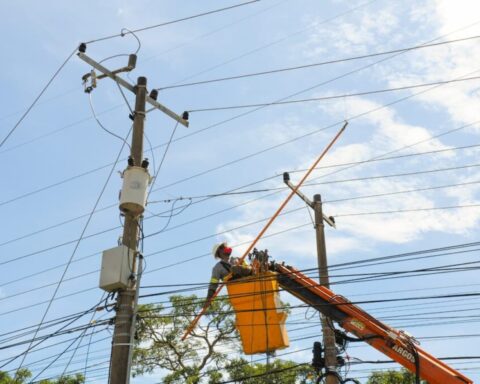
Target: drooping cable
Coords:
[(38, 97), (122, 34), (157, 171), (333, 97), (79, 341), (100, 123), (25, 354), (48, 336), (261, 73)]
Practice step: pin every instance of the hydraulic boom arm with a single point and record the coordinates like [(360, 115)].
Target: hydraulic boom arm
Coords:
[(397, 345)]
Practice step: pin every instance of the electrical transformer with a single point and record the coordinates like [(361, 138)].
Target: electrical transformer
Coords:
[(134, 190)]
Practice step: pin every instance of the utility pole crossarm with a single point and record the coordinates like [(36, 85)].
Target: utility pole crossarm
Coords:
[(328, 219), (130, 87)]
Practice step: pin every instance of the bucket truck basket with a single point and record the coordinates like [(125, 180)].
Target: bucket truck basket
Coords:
[(260, 319)]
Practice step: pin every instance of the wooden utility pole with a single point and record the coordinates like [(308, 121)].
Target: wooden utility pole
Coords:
[(121, 347), (122, 343), (330, 350)]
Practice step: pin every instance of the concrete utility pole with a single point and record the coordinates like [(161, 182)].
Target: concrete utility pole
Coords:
[(328, 334), (330, 350), (127, 287), (121, 347)]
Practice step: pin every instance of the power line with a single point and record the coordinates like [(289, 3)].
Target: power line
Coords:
[(74, 251), (322, 98), (94, 114), (342, 181), (37, 98), (78, 339), (286, 69), (369, 262), (257, 182), (279, 189), (171, 22), (407, 210), (262, 47), (313, 269), (31, 346), (203, 255), (46, 324), (162, 53), (59, 343)]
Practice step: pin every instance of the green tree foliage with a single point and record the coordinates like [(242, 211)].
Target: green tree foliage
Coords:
[(393, 377), (279, 372), (201, 356), (206, 355), (24, 374)]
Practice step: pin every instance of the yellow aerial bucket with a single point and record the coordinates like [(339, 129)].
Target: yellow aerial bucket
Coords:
[(259, 320)]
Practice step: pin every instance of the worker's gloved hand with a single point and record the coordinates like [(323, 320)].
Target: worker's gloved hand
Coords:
[(240, 271)]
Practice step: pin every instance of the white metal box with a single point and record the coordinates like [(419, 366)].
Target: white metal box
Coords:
[(134, 190), (116, 268)]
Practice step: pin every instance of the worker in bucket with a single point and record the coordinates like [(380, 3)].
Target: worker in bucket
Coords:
[(224, 267)]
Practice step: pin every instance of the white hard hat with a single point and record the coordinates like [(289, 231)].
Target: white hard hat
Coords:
[(215, 248)]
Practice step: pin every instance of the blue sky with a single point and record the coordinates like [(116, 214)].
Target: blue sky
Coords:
[(59, 139)]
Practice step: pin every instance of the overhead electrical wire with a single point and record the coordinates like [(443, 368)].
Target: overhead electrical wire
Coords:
[(316, 335), (31, 346), (245, 157), (102, 126), (164, 52), (14, 334), (272, 43), (203, 286), (439, 269), (15, 310), (73, 254), (333, 97), (356, 302), (334, 61), (373, 276), (79, 337), (157, 171), (232, 191), (302, 91), (122, 34), (59, 343), (24, 115), (332, 267), (279, 189), (255, 222)]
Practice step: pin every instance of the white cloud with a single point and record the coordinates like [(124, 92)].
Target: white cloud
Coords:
[(353, 36), (388, 133)]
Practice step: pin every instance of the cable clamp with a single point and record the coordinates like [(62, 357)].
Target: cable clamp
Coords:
[(93, 81)]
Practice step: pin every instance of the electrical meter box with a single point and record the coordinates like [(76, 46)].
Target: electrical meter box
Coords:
[(116, 268), (134, 190)]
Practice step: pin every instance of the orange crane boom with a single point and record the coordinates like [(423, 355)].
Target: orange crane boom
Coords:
[(396, 344)]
